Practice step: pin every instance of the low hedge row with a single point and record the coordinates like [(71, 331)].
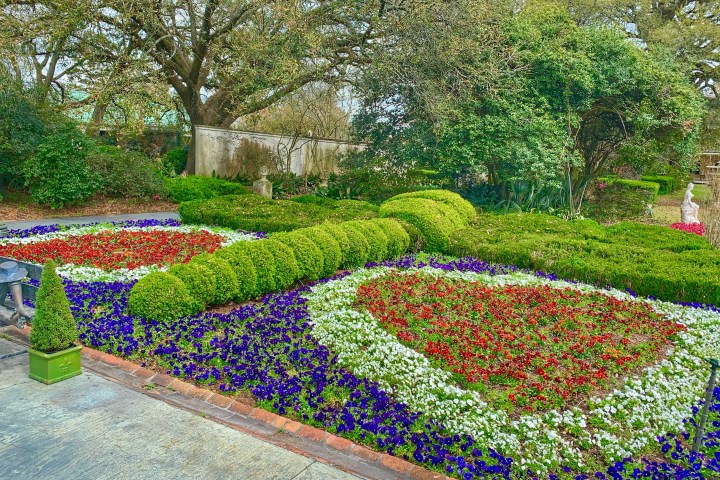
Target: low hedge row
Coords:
[(246, 270), (649, 260), (259, 214), (432, 214), (183, 189), (666, 182)]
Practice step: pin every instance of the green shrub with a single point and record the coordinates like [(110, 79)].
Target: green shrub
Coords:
[(126, 174), (650, 260), (313, 200), (53, 328), (666, 182), (620, 199), (461, 206), (226, 282), (57, 174), (160, 296), (261, 259), (175, 159), (193, 187), (398, 238), (309, 256), (358, 250), (199, 281), (332, 255), (376, 238), (286, 266), (259, 214), (336, 232), (244, 270), (435, 220)]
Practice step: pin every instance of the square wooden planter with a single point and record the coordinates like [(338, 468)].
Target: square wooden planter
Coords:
[(53, 367)]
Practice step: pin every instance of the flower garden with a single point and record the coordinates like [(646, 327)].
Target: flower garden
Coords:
[(471, 368)]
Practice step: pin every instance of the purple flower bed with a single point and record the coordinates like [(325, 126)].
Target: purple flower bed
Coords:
[(268, 350)]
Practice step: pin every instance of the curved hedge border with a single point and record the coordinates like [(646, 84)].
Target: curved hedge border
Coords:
[(452, 199), (435, 220), (649, 260), (247, 270)]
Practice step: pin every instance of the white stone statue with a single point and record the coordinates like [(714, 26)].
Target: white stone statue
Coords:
[(689, 209), (263, 186)]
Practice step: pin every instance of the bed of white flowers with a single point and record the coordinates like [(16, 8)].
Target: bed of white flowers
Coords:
[(82, 273), (623, 423)]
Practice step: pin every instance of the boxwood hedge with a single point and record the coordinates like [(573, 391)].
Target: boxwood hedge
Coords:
[(309, 256), (160, 296), (649, 260), (226, 282)]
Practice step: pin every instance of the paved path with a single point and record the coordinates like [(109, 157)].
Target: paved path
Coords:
[(88, 427), (92, 219)]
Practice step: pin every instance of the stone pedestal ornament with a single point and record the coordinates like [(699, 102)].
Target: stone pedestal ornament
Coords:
[(689, 209), (324, 176), (11, 276), (263, 186)]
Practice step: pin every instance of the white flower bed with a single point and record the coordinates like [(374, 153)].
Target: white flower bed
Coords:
[(621, 424), (92, 274)]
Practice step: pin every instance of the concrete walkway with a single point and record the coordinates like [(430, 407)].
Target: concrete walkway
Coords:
[(23, 224), (88, 427)]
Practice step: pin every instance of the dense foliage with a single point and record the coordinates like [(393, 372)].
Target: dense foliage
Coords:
[(54, 327), (192, 187), (126, 174), (650, 260), (259, 214)]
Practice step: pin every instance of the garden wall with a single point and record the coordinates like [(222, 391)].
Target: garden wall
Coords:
[(232, 153)]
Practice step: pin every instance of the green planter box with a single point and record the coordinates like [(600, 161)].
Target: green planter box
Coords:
[(53, 367)]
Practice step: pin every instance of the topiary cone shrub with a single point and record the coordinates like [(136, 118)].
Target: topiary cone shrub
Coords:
[(53, 328)]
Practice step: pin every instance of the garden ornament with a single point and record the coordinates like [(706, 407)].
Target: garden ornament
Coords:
[(689, 209), (3, 230), (263, 186), (709, 394), (10, 281)]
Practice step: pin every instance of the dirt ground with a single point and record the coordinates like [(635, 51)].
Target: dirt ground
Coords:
[(20, 208)]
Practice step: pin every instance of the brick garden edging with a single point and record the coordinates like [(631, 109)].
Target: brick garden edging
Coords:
[(306, 432)]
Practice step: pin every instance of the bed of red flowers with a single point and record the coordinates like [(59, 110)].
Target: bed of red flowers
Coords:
[(117, 249), (527, 348), (696, 228)]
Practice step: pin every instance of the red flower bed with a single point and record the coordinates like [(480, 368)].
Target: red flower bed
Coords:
[(696, 228), (532, 348), (115, 249)]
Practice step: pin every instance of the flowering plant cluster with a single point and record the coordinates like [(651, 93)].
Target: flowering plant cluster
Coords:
[(696, 228), (533, 347), (112, 252), (313, 355)]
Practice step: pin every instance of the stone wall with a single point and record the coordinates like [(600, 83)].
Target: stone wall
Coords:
[(231, 153)]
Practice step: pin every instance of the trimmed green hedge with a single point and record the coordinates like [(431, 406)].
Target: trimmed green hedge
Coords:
[(666, 182), (332, 255), (199, 280), (435, 220), (309, 256), (262, 260), (183, 189), (650, 260), (161, 296), (357, 253), (226, 282), (245, 271), (259, 214), (376, 239), (286, 267), (452, 199), (398, 238)]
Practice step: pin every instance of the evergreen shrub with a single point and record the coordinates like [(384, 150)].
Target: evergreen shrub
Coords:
[(53, 328), (160, 296), (199, 280)]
